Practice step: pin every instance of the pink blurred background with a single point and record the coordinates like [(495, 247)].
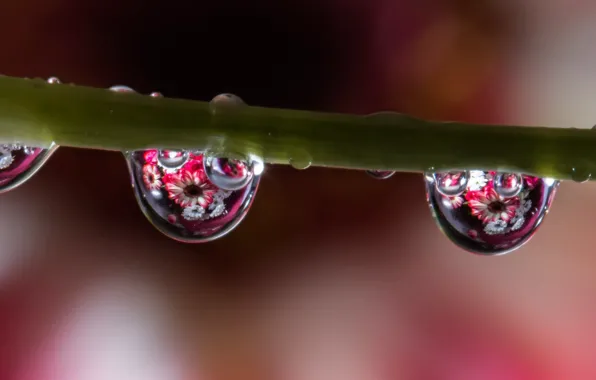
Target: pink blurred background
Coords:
[(333, 275)]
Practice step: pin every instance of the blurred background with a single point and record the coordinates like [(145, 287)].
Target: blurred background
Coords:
[(312, 285)]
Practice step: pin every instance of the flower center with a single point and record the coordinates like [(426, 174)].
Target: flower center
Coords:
[(192, 191), (496, 207)]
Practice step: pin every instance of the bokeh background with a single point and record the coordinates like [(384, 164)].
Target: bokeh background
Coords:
[(333, 275)]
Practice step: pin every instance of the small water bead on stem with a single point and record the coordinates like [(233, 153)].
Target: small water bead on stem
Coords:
[(224, 102), (482, 221), (380, 174), (580, 175), (122, 89), (451, 183), (54, 80)]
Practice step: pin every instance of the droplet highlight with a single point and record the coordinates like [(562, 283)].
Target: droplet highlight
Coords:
[(54, 80), (451, 184), (19, 162), (482, 221), (182, 201), (380, 174)]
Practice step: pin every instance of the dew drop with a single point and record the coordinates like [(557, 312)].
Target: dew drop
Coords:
[(482, 221), (18, 163), (223, 102), (580, 175), (54, 80), (156, 94), (182, 202), (123, 89), (230, 174), (451, 183), (300, 163), (508, 185), (380, 174)]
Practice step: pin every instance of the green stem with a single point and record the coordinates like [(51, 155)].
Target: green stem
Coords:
[(36, 113)]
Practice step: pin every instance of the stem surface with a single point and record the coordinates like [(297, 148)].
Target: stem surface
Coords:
[(36, 113)]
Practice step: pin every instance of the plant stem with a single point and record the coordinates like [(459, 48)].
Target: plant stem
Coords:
[(36, 113)]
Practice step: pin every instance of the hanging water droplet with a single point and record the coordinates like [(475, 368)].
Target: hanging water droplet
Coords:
[(451, 184), (54, 80), (228, 173), (172, 159), (481, 221), (508, 185), (580, 175), (380, 174), (18, 163), (120, 88), (156, 94), (183, 203)]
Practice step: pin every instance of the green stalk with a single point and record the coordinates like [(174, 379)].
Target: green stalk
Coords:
[(36, 113)]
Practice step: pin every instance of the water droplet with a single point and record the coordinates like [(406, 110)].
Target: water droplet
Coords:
[(481, 221), (228, 173), (54, 80), (156, 94), (172, 159), (223, 102), (508, 185), (380, 174), (18, 163), (183, 203), (300, 163), (580, 175), (123, 89), (451, 184)]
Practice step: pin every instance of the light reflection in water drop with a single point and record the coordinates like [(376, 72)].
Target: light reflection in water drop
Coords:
[(180, 199), (482, 221)]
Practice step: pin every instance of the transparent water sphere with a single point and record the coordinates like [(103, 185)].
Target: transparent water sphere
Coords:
[(182, 202), (482, 221), (18, 163)]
